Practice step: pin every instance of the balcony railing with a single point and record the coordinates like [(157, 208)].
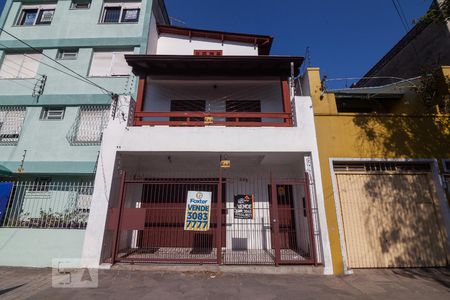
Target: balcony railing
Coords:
[(191, 118)]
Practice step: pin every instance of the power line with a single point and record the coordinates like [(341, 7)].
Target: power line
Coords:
[(80, 77), (402, 20)]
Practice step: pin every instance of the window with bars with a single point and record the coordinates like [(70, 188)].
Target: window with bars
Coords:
[(243, 106), (20, 66), (208, 52), (187, 105), (11, 121), (89, 125), (31, 15), (80, 4), (110, 63), (67, 54), (120, 12), (53, 113)]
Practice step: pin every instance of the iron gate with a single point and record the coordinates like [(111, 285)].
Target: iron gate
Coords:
[(148, 223)]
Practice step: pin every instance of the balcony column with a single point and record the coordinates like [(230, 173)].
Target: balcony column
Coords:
[(140, 99), (286, 94)]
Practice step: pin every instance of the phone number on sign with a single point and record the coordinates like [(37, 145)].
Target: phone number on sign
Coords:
[(197, 220)]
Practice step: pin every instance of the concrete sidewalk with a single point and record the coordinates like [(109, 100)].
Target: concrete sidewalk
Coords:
[(131, 284)]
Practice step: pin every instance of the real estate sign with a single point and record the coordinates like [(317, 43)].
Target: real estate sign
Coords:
[(243, 207), (198, 211)]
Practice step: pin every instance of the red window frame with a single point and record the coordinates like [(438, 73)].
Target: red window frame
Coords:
[(208, 52)]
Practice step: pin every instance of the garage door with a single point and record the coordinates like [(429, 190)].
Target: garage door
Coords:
[(390, 216)]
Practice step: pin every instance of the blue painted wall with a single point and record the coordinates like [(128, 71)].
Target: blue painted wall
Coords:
[(48, 150)]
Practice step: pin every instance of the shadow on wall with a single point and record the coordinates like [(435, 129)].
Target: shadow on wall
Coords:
[(401, 210), (401, 136)]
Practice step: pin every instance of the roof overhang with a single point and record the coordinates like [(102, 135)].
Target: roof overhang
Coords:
[(391, 91), (263, 42), (190, 65)]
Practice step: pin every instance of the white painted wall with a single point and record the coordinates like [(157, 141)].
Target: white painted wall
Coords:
[(152, 36), (170, 44), (120, 138)]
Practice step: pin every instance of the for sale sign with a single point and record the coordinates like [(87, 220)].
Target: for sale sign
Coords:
[(198, 211), (243, 207)]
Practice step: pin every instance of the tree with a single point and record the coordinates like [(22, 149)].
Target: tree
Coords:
[(439, 12)]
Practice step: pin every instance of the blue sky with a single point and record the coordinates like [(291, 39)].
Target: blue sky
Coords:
[(346, 37)]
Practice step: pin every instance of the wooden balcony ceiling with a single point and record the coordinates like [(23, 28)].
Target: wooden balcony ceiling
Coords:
[(189, 65)]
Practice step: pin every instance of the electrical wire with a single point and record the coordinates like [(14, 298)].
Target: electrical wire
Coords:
[(399, 12), (79, 76)]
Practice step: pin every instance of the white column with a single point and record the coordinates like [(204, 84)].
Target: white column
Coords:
[(106, 170)]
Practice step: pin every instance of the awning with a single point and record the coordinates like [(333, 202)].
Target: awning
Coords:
[(4, 171), (190, 65)]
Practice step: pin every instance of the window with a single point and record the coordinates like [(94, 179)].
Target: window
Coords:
[(90, 124), (80, 4), (120, 12), (31, 15), (110, 63), (53, 113), (11, 120), (208, 52), (243, 106), (64, 54), (20, 66), (187, 105), (346, 104)]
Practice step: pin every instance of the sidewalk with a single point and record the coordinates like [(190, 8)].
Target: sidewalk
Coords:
[(412, 284)]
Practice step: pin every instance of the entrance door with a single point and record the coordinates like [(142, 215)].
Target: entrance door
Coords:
[(292, 234)]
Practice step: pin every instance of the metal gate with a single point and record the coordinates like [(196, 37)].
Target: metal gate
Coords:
[(148, 222)]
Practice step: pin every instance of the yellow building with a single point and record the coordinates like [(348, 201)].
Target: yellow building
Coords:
[(383, 153)]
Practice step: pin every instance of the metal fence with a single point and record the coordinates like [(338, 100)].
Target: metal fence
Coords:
[(34, 204), (89, 125), (11, 120), (276, 226)]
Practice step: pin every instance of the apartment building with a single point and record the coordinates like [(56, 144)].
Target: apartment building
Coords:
[(62, 65)]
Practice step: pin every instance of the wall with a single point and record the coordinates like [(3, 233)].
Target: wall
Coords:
[(351, 135), (169, 44), (48, 149), (75, 27), (37, 247), (120, 139), (423, 48), (45, 141)]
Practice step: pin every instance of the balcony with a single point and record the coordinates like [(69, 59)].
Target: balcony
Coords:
[(214, 91)]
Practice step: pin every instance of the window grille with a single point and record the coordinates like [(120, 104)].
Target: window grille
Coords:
[(89, 125), (11, 122), (80, 4), (48, 204), (120, 12), (31, 15), (67, 54), (381, 166), (53, 113)]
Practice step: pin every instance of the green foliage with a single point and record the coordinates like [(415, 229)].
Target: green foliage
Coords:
[(434, 90), (438, 13)]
